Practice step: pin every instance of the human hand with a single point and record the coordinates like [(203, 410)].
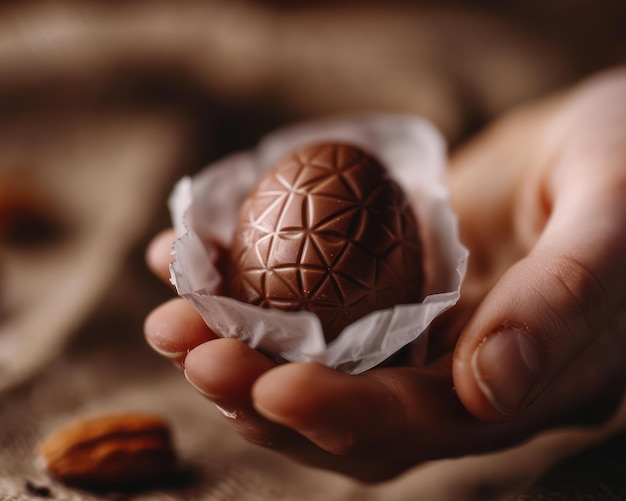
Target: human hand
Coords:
[(526, 202), (542, 204)]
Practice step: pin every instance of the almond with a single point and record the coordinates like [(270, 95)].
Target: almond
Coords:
[(110, 450)]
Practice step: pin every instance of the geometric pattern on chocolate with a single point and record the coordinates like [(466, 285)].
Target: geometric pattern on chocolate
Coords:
[(327, 230)]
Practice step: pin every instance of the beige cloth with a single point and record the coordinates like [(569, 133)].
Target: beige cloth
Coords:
[(101, 109)]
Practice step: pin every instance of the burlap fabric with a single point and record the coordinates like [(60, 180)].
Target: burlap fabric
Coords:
[(101, 109)]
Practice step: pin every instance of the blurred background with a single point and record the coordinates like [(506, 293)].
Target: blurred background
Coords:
[(104, 105)]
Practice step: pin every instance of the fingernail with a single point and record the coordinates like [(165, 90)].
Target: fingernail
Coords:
[(190, 379), (506, 367), (172, 355), (159, 338), (227, 411), (224, 409)]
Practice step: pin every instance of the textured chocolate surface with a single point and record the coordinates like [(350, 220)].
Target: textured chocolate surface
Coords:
[(327, 230)]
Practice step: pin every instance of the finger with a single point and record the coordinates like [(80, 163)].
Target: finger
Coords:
[(374, 425), (210, 369), (402, 414), (324, 405), (554, 303), (224, 371), (589, 389), (159, 254), (175, 328)]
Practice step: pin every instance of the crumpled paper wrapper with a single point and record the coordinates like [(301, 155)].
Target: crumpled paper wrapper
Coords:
[(205, 211)]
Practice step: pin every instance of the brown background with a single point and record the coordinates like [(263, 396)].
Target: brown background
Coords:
[(103, 105)]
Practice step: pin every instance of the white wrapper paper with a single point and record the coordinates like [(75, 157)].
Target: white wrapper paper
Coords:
[(205, 209)]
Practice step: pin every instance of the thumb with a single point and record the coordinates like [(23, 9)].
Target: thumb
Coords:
[(551, 305)]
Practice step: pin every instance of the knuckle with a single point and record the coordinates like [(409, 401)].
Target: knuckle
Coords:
[(582, 296)]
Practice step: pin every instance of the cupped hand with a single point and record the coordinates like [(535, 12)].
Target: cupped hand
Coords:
[(541, 198), (542, 202)]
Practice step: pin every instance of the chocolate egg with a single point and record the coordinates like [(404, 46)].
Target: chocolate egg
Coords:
[(329, 231)]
